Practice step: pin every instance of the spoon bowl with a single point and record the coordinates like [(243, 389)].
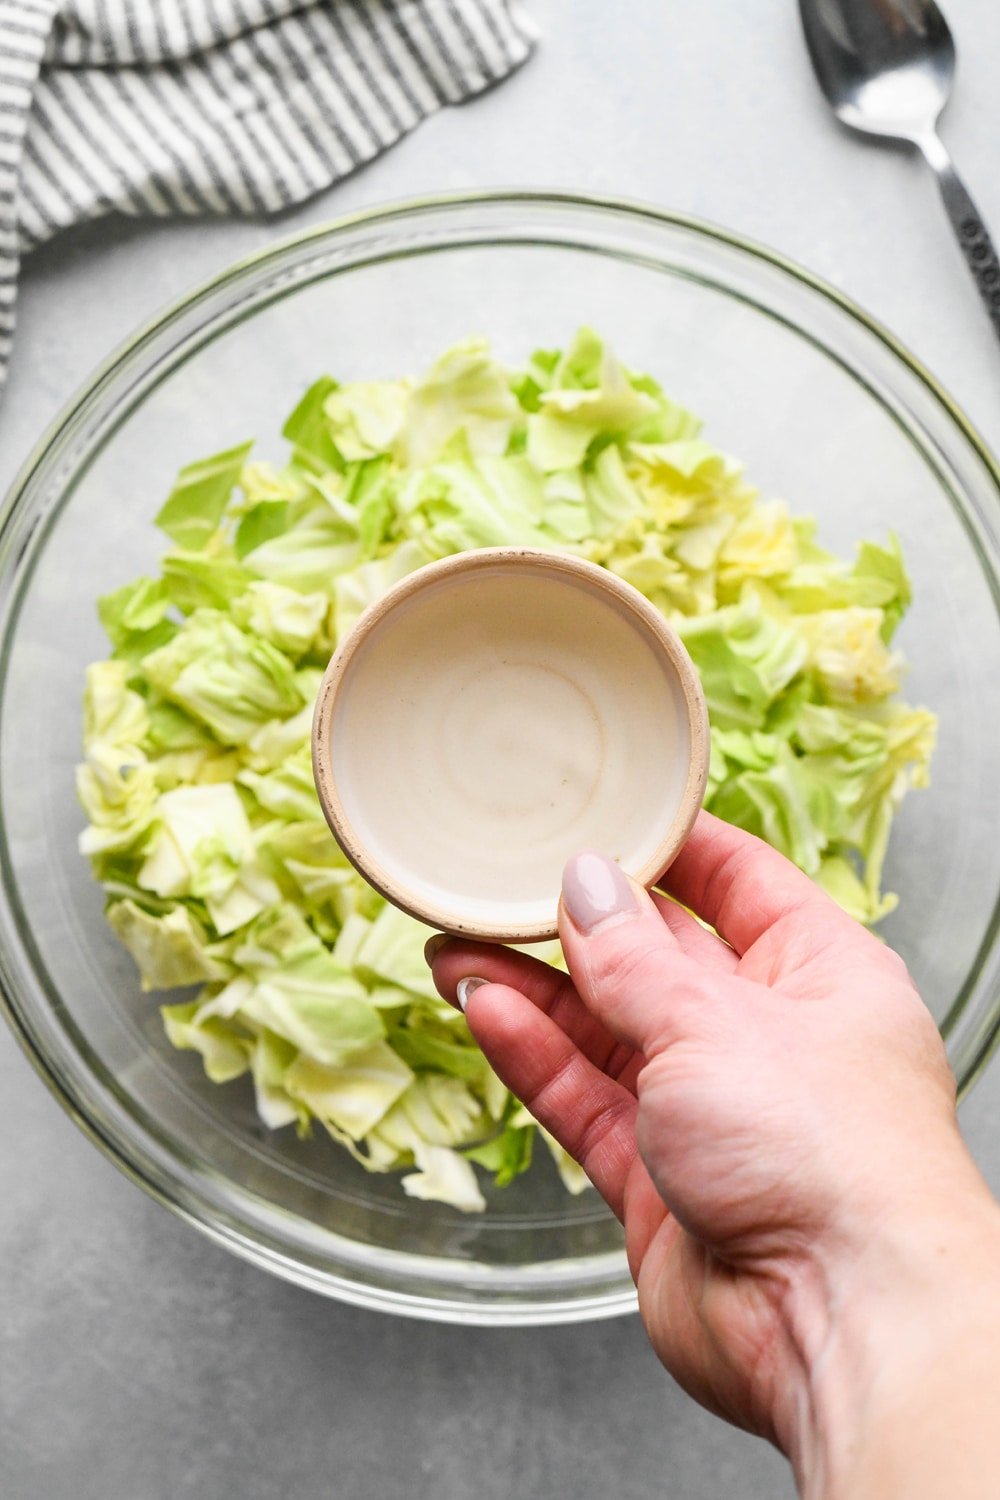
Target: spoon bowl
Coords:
[(885, 67)]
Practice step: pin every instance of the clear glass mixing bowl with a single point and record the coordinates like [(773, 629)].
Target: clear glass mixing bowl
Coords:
[(826, 409)]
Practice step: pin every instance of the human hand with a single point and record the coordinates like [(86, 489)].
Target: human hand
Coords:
[(771, 1115)]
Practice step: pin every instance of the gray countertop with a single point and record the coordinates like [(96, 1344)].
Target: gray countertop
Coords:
[(137, 1360)]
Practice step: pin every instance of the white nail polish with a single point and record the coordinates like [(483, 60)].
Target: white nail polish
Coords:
[(464, 989)]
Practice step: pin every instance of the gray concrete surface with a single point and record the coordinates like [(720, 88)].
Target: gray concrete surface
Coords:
[(139, 1362)]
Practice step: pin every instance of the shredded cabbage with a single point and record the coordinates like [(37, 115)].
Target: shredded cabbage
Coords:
[(203, 822)]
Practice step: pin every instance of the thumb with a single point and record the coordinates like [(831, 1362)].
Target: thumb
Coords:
[(626, 964)]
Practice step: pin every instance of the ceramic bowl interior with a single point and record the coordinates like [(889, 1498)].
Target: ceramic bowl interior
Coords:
[(825, 410), (491, 715)]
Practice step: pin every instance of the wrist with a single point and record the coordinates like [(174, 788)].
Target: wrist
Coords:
[(900, 1341)]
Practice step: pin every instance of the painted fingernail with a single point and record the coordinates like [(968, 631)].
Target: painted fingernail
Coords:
[(596, 889), (464, 989), (433, 946)]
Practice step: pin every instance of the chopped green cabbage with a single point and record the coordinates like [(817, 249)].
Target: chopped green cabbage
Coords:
[(203, 822)]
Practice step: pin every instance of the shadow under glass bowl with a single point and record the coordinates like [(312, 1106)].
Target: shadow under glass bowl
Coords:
[(827, 411)]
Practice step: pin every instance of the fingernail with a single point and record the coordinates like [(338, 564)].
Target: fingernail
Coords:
[(433, 946), (596, 889), (464, 989)]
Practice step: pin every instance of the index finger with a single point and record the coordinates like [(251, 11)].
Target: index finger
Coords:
[(548, 989), (590, 1115), (741, 885)]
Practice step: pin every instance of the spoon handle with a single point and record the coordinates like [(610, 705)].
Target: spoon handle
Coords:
[(967, 222)]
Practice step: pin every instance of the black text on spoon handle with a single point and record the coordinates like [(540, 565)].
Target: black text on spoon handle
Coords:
[(971, 232)]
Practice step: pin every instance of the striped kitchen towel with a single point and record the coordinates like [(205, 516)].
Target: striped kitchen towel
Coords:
[(218, 106)]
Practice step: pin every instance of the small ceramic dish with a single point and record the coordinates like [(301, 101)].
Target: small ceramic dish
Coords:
[(491, 715)]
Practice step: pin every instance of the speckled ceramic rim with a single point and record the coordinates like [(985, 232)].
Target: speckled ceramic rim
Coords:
[(664, 642)]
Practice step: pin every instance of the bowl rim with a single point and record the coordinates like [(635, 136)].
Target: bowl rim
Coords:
[(42, 463), (632, 208), (651, 625)]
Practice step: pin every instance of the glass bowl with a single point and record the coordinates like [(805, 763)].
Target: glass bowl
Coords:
[(827, 411)]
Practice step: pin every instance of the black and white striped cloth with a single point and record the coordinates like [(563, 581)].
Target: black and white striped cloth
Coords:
[(218, 106)]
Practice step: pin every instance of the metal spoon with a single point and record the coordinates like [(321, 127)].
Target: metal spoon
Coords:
[(886, 68)]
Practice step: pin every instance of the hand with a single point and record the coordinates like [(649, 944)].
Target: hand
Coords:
[(768, 1109)]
